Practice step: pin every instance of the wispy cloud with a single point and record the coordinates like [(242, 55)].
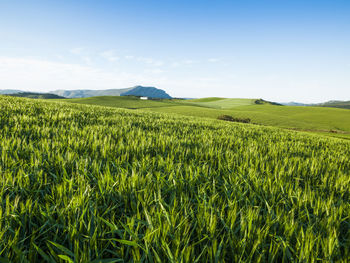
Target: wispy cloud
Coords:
[(150, 61), (146, 60), (155, 71), (83, 54), (109, 55), (213, 60), (77, 51), (189, 62), (43, 75)]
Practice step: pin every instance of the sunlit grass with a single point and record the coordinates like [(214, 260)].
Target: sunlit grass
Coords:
[(84, 183)]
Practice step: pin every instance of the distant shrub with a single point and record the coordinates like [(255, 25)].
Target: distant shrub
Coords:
[(259, 101), (233, 119)]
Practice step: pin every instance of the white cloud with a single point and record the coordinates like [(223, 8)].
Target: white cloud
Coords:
[(109, 55), (189, 62), (43, 75), (77, 51), (83, 54), (150, 61), (155, 71), (185, 62), (175, 64), (87, 59), (213, 60)]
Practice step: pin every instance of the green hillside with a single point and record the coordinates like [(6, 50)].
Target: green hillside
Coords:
[(222, 103), (291, 117), (209, 99), (127, 102), (319, 120), (82, 183)]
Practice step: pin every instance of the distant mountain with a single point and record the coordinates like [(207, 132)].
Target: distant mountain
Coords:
[(84, 93), (133, 91), (150, 92), (34, 95), (331, 103), (292, 103), (9, 91), (335, 104)]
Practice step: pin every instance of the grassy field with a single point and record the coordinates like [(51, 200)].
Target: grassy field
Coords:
[(222, 103), (83, 183), (318, 120), (127, 102)]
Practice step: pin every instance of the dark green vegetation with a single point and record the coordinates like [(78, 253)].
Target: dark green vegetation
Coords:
[(319, 120), (233, 119), (80, 183), (34, 95)]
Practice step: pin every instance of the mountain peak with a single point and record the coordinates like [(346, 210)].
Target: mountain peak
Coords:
[(150, 92)]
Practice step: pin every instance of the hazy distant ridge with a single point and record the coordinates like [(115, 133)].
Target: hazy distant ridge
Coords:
[(84, 93), (10, 91), (331, 103), (135, 91)]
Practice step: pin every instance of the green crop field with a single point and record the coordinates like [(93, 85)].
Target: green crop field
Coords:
[(318, 120), (84, 183), (315, 119), (222, 103), (128, 102)]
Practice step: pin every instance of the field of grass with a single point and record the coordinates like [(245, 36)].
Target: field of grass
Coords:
[(222, 103), (83, 183), (318, 120), (312, 119), (127, 102)]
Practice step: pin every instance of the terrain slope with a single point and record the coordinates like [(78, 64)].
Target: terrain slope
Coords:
[(85, 183), (319, 120)]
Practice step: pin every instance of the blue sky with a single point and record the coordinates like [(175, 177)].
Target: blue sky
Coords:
[(276, 50)]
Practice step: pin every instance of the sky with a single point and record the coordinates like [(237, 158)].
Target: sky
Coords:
[(288, 50)]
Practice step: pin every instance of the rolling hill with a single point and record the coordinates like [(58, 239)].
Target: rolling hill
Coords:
[(227, 103), (127, 102), (319, 120), (86, 183)]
